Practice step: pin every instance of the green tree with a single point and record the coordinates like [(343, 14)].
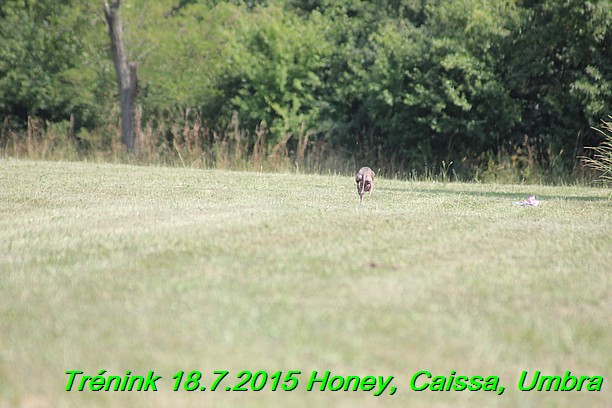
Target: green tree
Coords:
[(559, 68), (424, 87), (49, 61), (182, 57), (279, 59)]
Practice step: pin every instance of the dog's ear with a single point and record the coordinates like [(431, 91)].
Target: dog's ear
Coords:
[(373, 175)]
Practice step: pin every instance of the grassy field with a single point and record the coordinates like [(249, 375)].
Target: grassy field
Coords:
[(108, 267)]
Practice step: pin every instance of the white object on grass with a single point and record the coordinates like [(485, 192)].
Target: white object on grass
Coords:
[(528, 202)]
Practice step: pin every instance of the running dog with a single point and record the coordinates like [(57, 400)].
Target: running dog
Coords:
[(365, 182)]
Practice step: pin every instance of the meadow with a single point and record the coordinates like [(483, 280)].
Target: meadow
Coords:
[(139, 268)]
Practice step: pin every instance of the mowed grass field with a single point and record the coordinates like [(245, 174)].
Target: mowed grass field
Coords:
[(113, 267)]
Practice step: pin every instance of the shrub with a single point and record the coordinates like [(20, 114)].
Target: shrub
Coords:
[(601, 161)]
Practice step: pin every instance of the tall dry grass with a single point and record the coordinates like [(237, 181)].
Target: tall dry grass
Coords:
[(601, 159), (190, 143), (185, 143)]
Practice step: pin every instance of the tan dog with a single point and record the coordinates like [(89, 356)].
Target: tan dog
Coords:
[(365, 182)]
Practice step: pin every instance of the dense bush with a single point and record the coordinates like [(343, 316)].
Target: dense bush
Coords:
[(407, 82)]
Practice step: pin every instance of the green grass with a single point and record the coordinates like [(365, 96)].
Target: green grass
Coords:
[(109, 267)]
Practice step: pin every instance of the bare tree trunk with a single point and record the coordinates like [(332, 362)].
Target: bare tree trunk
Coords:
[(126, 74)]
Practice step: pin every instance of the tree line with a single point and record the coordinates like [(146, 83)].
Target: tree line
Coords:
[(410, 81)]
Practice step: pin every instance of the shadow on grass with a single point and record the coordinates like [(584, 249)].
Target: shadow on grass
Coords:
[(510, 196)]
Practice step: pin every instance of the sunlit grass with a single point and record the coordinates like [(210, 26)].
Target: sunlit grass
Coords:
[(108, 267)]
